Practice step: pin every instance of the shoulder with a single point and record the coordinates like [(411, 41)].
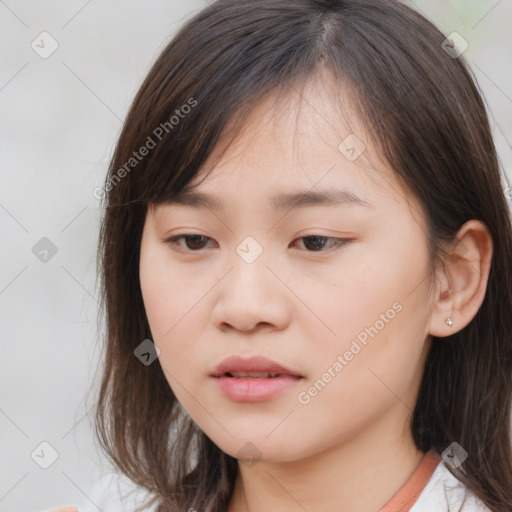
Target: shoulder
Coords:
[(444, 492)]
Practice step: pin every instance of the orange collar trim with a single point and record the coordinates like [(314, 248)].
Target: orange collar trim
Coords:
[(407, 495)]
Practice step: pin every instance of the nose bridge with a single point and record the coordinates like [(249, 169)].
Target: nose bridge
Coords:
[(250, 294), (250, 250), (249, 268)]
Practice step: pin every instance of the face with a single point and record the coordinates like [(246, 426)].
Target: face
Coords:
[(334, 291)]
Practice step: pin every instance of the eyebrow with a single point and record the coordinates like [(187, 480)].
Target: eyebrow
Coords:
[(279, 202)]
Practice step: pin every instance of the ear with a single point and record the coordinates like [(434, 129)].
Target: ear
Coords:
[(462, 280)]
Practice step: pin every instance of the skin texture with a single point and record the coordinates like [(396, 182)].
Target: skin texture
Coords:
[(351, 443)]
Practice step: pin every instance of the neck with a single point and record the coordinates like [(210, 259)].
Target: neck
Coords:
[(360, 474)]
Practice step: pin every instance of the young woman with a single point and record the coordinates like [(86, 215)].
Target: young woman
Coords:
[(306, 269)]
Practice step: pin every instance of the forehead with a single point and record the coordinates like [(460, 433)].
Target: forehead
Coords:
[(293, 142), (291, 125)]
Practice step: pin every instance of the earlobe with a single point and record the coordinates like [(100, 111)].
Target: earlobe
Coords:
[(462, 282)]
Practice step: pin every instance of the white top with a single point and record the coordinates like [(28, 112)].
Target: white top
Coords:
[(115, 493), (443, 493)]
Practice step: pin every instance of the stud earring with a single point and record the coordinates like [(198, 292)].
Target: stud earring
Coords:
[(449, 321)]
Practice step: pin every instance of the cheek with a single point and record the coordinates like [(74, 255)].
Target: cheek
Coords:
[(377, 313), (371, 367), (368, 291), (165, 291), (156, 293), (173, 306)]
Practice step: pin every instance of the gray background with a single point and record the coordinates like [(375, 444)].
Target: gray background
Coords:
[(59, 120)]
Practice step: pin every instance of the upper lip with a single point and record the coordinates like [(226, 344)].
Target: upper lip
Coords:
[(251, 364)]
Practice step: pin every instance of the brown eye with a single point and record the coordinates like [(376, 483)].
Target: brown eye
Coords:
[(316, 243), (193, 242)]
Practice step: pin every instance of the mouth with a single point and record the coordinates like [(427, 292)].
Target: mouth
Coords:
[(255, 386), (257, 375), (254, 379), (256, 367)]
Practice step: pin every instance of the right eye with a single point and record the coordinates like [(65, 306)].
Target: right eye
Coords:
[(193, 242)]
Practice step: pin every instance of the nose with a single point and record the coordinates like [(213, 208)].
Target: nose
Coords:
[(251, 297)]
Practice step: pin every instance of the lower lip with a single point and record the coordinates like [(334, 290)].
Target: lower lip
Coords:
[(255, 389)]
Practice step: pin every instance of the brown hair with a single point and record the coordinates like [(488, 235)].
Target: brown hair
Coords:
[(425, 115)]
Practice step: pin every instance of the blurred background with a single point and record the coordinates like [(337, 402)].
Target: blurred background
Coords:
[(69, 70)]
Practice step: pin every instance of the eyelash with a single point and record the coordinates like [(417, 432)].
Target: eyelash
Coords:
[(339, 242)]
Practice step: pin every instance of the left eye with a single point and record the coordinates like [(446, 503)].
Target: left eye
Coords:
[(194, 243), (318, 242)]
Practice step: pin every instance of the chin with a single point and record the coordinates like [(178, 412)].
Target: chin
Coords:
[(259, 448)]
